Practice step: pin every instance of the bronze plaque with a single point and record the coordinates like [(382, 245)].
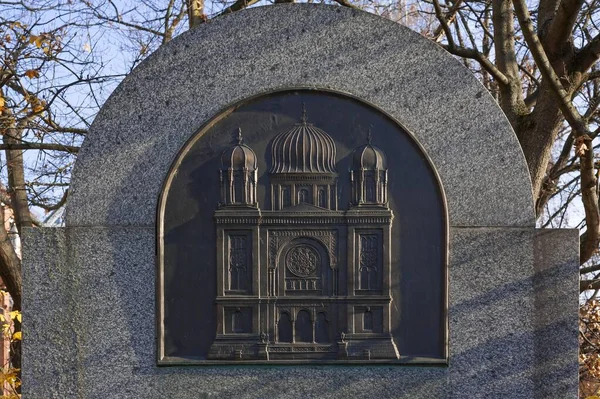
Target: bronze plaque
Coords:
[(302, 227)]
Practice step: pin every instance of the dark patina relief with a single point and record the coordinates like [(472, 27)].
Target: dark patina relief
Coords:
[(303, 227)]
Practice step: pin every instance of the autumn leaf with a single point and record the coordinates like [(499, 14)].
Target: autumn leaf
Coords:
[(580, 145), (2, 102), (17, 336), (36, 104), (37, 40), (15, 314), (32, 73)]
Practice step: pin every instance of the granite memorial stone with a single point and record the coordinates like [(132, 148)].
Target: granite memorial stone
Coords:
[(300, 201)]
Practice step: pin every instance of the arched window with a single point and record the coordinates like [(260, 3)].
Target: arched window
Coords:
[(303, 196), (321, 328), (284, 328), (322, 198), (370, 189), (304, 331), (238, 188), (286, 197)]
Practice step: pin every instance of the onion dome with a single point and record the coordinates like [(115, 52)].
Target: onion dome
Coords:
[(369, 157), (239, 157), (303, 149)]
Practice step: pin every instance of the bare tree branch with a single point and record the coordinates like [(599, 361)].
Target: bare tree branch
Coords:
[(448, 17), (40, 146), (589, 269), (241, 4), (560, 27), (477, 56), (511, 94), (588, 55)]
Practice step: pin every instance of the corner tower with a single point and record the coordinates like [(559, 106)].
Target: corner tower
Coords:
[(368, 176), (238, 175)]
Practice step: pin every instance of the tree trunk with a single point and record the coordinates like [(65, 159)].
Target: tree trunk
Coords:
[(196, 12), (10, 265), (536, 133), (16, 179)]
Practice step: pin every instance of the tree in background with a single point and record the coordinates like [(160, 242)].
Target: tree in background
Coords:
[(61, 59)]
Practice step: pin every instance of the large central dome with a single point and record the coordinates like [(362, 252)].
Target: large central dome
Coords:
[(303, 149)]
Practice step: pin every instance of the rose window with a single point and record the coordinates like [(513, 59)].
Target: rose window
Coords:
[(302, 261)]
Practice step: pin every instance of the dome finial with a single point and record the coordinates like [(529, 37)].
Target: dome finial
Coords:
[(303, 113), (239, 137), (370, 135)]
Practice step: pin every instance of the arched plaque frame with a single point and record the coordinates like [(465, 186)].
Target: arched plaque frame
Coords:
[(246, 106)]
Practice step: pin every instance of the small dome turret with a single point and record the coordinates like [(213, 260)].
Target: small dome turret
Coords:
[(368, 176), (238, 157), (369, 157)]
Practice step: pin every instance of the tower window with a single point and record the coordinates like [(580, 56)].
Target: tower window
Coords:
[(238, 262), (286, 197), (322, 198), (369, 249), (238, 188), (370, 189), (303, 196)]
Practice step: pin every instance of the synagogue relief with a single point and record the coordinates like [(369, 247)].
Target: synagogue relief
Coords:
[(290, 293)]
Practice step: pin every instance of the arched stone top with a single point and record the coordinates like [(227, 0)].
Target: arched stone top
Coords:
[(138, 133)]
